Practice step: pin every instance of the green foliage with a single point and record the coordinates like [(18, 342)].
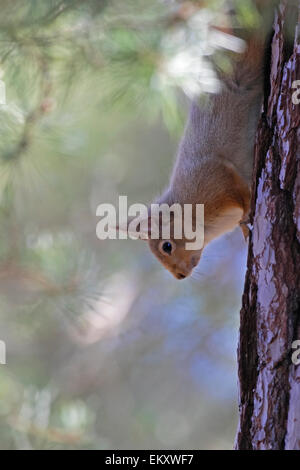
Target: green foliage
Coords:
[(95, 100)]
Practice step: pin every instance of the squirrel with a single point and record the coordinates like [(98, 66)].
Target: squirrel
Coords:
[(215, 158)]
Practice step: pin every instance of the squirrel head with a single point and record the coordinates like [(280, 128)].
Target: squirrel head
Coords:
[(177, 253), (173, 253), (225, 200), (174, 256), (168, 242)]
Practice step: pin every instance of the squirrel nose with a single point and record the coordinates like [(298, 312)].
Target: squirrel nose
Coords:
[(181, 276)]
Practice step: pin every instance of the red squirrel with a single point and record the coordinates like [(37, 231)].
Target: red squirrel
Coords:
[(215, 158)]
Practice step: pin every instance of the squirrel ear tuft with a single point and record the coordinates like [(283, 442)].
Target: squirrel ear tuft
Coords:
[(138, 228), (121, 228)]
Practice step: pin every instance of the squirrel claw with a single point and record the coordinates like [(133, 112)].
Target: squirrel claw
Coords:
[(246, 228)]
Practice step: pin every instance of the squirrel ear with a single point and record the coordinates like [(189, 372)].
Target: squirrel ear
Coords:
[(144, 228), (138, 228)]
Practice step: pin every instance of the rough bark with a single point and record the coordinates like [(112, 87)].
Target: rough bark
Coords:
[(270, 316)]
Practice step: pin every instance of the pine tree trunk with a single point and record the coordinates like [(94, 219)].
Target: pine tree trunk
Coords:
[(270, 317)]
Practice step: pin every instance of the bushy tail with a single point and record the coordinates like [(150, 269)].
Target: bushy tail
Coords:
[(250, 65)]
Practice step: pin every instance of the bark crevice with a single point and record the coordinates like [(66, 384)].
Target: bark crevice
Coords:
[(269, 381)]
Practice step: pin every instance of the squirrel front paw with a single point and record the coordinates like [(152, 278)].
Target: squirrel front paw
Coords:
[(246, 227)]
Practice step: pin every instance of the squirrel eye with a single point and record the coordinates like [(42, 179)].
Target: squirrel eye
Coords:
[(167, 247)]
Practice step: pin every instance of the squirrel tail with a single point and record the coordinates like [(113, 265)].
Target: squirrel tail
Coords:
[(250, 65)]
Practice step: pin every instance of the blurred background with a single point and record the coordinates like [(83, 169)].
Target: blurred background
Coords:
[(105, 350)]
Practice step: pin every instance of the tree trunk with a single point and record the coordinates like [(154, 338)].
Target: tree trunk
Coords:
[(270, 316)]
